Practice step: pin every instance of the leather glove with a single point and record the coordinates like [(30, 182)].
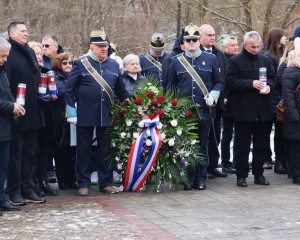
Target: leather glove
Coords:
[(209, 100), (44, 99)]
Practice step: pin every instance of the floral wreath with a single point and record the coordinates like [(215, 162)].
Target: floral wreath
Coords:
[(156, 131)]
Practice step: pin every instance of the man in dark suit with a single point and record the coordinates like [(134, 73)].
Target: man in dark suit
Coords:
[(8, 110), (207, 67), (22, 67), (207, 40), (94, 97), (252, 106)]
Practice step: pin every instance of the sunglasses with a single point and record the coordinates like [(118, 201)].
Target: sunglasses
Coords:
[(191, 40), (47, 45), (66, 63)]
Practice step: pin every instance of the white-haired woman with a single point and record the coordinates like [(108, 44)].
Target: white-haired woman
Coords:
[(131, 75)]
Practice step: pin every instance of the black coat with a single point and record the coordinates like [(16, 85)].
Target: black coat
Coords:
[(290, 81), (131, 85), (6, 107), (22, 67), (249, 104)]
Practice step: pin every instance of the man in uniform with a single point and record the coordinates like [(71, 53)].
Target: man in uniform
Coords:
[(92, 83), (207, 41), (151, 61), (252, 106), (179, 78)]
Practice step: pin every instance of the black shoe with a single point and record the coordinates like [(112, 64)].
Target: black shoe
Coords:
[(228, 170), (261, 180), (47, 188), (51, 176), (209, 175), (7, 206), (296, 180), (200, 185), (216, 173), (279, 168), (73, 185), (33, 198), (187, 186), (241, 182), (63, 186), (17, 200), (1, 214), (38, 191)]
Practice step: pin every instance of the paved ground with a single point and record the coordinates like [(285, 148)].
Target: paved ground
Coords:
[(223, 211)]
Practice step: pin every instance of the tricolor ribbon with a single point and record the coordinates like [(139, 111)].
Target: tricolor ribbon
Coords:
[(135, 177)]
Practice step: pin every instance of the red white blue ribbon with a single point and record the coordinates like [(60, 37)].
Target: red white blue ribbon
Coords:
[(135, 177)]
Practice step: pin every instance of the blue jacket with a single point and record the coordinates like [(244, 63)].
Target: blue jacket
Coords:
[(93, 103), (148, 69), (206, 65)]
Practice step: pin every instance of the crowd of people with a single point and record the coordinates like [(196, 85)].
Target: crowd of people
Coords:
[(237, 92)]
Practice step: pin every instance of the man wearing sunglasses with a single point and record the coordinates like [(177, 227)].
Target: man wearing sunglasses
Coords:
[(183, 80), (50, 48), (207, 41)]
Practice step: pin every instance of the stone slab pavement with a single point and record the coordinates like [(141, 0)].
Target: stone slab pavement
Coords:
[(223, 211)]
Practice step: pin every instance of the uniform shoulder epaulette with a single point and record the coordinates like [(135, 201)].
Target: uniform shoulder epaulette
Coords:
[(179, 54)]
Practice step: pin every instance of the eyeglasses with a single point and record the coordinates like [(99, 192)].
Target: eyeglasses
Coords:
[(191, 40), (47, 45), (66, 63)]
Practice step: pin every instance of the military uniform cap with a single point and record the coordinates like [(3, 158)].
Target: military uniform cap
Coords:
[(191, 32), (99, 37), (157, 42)]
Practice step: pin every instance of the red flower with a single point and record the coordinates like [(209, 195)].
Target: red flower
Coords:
[(154, 102), (151, 116), (122, 112), (115, 120), (150, 94), (161, 98), (137, 112), (160, 112), (138, 101), (174, 102), (189, 113)]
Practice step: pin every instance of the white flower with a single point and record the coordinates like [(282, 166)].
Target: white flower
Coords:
[(163, 135), (119, 166), (148, 142), (174, 123), (193, 142), (123, 134), (141, 124), (136, 135), (113, 144), (179, 132), (148, 132), (159, 126), (117, 158), (174, 160), (129, 122), (171, 142)]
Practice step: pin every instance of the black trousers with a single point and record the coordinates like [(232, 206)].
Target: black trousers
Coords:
[(65, 158), (294, 160), (213, 151), (260, 133), (84, 151), (22, 163)]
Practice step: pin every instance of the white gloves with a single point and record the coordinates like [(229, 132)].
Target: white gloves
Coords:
[(209, 100), (72, 120)]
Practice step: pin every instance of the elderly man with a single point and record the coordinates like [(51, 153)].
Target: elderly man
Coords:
[(8, 111), (207, 41), (230, 44), (151, 61), (203, 70), (93, 81), (22, 67), (50, 48), (252, 106)]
